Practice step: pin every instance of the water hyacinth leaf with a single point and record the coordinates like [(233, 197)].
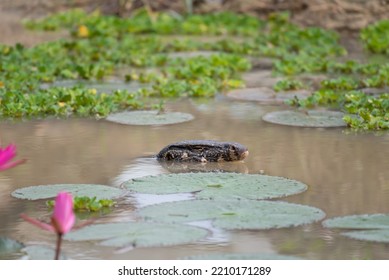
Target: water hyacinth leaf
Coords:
[(367, 221), (149, 118), (191, 54), (243, 256), (235, 214), (138, 234), (100, 87), (8, 246), (218, 185), (49, 191), (37, 252), (378, 235), (308, 118)]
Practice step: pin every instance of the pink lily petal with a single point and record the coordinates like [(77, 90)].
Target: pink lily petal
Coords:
[(38, 223), (63, 217), (7, 154), (9, 165)]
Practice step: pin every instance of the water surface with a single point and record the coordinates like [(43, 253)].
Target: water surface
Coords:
[(347, 173)]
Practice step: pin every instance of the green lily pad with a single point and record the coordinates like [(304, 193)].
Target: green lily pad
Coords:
[(149, 118), (376, 226), (38, 252), (235, 214), (138, 234), (49, 191), (218, 185), (8, 245), (306, 119), (378, 235), (100, 87), (372, 221), (242, 256)]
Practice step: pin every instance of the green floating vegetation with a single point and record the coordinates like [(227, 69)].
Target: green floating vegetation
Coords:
[(308, 118), (365, 112), (218, 186), (65, 102), (372, 221), (101, 45), (100, 192), (288, 84), (138, 234), (376, 37), (144, 21), (378, 235), (39, 252), (367, 227), (85, 203), (234, 214), (149, 118), (9, 246), (98, 86)]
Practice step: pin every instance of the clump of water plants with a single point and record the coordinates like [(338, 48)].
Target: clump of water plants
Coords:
[(99, 45), (376, 37), (288, 84), (86, 203)]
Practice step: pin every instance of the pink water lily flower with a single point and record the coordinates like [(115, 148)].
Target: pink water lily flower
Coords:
[(63, 217), (6, 155), (62, 220)]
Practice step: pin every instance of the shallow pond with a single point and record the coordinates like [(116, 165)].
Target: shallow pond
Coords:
[(347, 173)]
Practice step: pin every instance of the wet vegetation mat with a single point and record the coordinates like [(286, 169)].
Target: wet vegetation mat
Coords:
[(191, 56)]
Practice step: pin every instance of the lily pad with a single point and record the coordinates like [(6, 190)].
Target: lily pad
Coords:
[(242, 256), (217, 186), (100, 87), (138, 234), (235, 214), (37, 252), (49, 191), (306, 119), (378, 235), (372, 221), (8, 245), (376, 226), (149, 118)]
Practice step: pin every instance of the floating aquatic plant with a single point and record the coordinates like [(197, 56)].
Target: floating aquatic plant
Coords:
[(85, 203), (149, 117), (368, 227), (49, 191), (218, 186), (308, 118), (235, 214), (138, 234)]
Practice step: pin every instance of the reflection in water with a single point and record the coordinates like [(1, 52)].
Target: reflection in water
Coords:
[(141, 167), (346, 174), (185, 167), (216, 236)]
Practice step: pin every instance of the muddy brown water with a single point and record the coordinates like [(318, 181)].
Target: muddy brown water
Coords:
[(347, 174)]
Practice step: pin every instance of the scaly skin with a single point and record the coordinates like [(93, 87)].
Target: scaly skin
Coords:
[(203, 151)]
